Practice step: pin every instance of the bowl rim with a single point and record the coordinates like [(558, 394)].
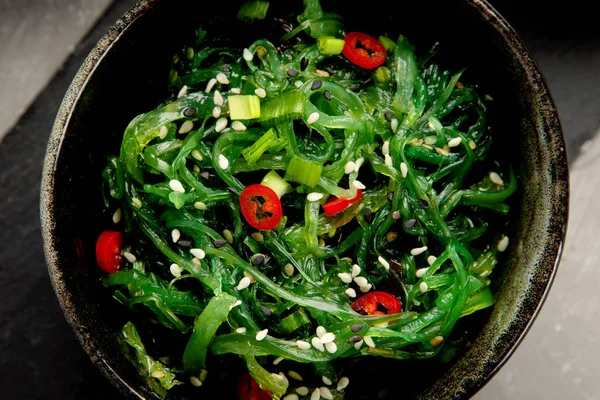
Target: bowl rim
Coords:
[(120, 27)]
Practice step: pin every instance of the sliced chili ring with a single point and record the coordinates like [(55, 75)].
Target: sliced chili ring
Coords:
[(248, 389), (261, 207), (377, 303), (364, 50), (335, 205), (108, 251)]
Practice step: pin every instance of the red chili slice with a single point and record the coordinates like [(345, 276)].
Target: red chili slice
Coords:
[(364, 50), (336, 205), (377, 303), (248, 389), (108, 251), (261, 207)]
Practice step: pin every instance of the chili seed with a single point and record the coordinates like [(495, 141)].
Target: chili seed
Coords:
[(303, 63), (388, 115), (355, 338), (266, 311), (327, 95), (316, 84), (330, 70), (219, 243), (436, 341), (396, 215), (410, 223), (257, 259), (185, 243), (259, 237), (391, 236), (368, 216), (423, 203), (189, 112), (289, 269), (356, 328), (292, 72)]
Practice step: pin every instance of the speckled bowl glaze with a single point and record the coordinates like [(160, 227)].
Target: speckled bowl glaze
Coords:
[(125, 74)]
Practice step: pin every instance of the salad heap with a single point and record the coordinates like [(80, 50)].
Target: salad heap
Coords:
[(322, 200)]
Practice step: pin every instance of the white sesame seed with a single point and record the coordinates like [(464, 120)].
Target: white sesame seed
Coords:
[(291, 397), (182, 92), (322, 73), (244, 283), (472, 145), (130, 257), (261, 334), (316, 342), (358, 344), (302, 390), (289, 269), (503, 244), (383, 262), (418, 250), (196, 261), (361, 281), (216, 112), (320, 332), (186, 127), (350, 292), (369, 341), (383, 324), (355, 270), (295, 375), (487, 97), (222, 78), (210, 85), (302, 345), (116, 218), (198, 253), (195, 381), (314, 196), (220, 124), (136, 202), (163, 132), (196, 169), (175, 270), (327, 337), (403, 170), (260, 92), (423, 287), (494, 177), (223, 162), (326, 393), (343, 383), (203, 375), (199, 205), (176, 186), (218, 98), (158, 374), (247, 54), (365, 288), (385, 149), (236, 90), (431, 259), (235, 304), (316, 394), (175, 235), (394, 125), (283, 378), (312, 118), (241, 329), (238, 126), (358, 163), (345, 277), (298, 84), (358, 185), (277, 360), (420, 272), (454, 142), (387, 159), (331, 347), (349, 167)]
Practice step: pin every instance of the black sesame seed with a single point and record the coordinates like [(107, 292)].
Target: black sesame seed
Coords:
[(423, 203), (356, 327), (316, 84), (327, 95), (303, 63), (355, 339), (266, 311), (330, 70), (219, 243), (257, 259), (390, 196), (292, 72), (410, 223), (388, 115), (189, 112), (185, 243), (368, 216)]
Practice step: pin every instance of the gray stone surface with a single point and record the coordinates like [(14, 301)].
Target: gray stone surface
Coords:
[(36, 37)]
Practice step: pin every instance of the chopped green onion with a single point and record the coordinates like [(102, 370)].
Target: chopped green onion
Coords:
[(244, 107), (276, 183), (303, 171), (253, 9), (388, 43), (266, 142), (383, 75), (294, 321), (288, 106), (330, 45)]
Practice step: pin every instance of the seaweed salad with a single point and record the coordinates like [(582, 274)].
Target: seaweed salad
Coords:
[(296, 206)]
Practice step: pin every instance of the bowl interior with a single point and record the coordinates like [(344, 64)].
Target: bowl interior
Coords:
[(126, 74)]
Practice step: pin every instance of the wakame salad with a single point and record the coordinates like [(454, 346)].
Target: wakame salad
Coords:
[(299, 205)]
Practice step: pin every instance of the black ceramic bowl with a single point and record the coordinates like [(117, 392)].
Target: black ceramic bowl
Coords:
[(125, 75)]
